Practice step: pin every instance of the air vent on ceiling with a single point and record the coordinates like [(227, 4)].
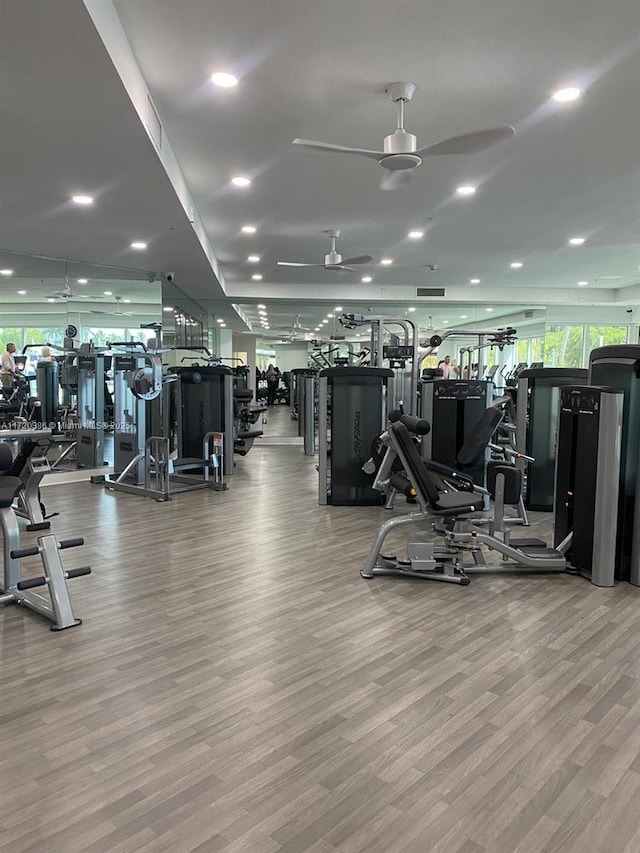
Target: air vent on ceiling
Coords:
[(430, 291), (528, 315)]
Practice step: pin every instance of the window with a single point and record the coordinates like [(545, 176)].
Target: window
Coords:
[(100, 337), (604, 336), (523, 351), (563, 346), (536, 353)]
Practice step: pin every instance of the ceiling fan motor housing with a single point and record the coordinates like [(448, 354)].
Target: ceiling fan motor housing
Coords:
[(398, 148)]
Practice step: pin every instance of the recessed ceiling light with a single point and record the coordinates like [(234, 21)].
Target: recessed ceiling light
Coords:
[(86, 296), (386, 262), (50, 299), (330, 316), (256, 277), (22, 293), (583, 283), (463, 316), (83, 280), (415, 235), (262, 312), (240, 181), (138, 244), (126, 300), (366, 279), (465, 189), (570, 93), (82, 199), (248, 229), (577, 241), (474, 281), (489, 309), (261, 306), (444, 322), (411, 309), (6, 272), (167, 308), (610, 277), (516, 265), (254, 259), (108, 293), (338, 308), (224, 80), (324, 322), (223, 325)]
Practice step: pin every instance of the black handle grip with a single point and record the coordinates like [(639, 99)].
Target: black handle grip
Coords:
[(77, 573), (70, 543), (24, 552), (31, 583), (416, 425)]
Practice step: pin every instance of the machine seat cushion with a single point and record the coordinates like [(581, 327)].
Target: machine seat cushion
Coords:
[(455, 503), (9, 488), (242, 394), (250, 433), (441, 503)]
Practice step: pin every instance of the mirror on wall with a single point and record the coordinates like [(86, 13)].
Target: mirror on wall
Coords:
[(40, 296)]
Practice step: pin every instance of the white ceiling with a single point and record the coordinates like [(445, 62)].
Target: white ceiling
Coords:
[(318, 70)]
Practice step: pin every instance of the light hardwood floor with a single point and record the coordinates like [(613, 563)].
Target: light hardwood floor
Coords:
[(236, 686)]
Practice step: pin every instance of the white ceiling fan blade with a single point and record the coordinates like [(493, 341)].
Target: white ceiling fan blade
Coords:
[(329, 148), (359, 259), (469, 143), (292, 264), (396, 179)]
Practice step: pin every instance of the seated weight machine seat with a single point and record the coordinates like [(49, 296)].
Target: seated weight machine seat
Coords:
[(244, 417), (445, 562), (29, 465)]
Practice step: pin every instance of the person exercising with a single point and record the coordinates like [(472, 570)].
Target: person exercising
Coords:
[(8, 369)]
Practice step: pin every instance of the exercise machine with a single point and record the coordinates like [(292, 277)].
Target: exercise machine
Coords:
[(618, 367), (453, 407), (537, 408), (447, 506), (353, 405)]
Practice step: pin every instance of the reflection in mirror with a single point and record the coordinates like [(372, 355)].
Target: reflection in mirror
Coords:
[(41, 296)]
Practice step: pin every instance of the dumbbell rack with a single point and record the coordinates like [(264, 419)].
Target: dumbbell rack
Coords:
[(14, 590)]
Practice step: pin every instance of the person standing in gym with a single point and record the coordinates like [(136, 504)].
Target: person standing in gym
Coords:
[(271, 375), (8, 370)]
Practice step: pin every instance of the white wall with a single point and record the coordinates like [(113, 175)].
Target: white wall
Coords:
[(290, 356)]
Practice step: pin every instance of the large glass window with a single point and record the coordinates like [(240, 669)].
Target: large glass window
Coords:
[(523, 351), (604, 336), (563, 346), (536, 353)]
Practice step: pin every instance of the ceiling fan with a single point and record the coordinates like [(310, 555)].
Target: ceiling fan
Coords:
[(401, 155), (117, 311), (333, 261), (296, 331)]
